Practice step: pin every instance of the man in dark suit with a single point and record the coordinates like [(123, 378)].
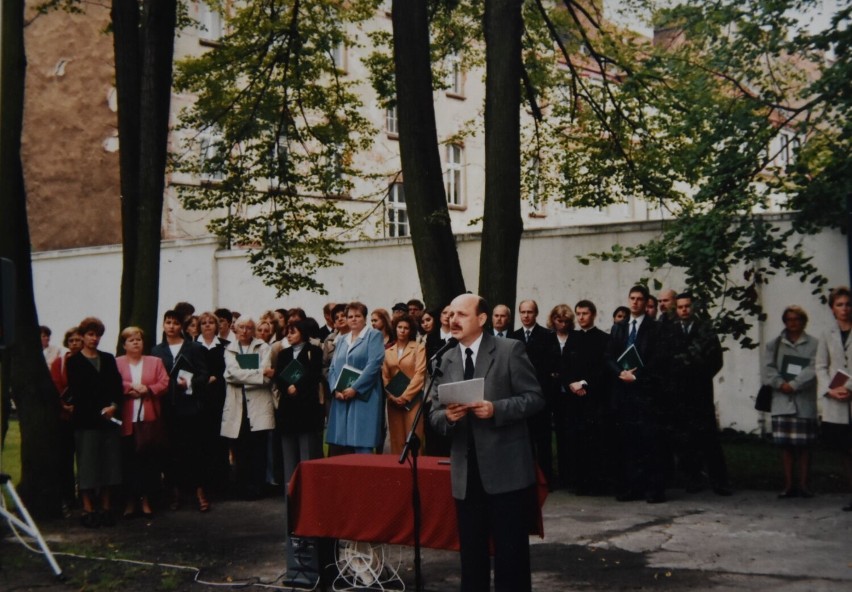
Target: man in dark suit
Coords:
[(585, 391), (695, 357), (637, 402), (501, 319), (543, 351), (492, 466)]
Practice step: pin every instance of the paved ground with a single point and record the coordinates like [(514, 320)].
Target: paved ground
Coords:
[(751, 541)]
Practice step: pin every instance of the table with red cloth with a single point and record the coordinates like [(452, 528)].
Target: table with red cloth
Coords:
[(367, 497)]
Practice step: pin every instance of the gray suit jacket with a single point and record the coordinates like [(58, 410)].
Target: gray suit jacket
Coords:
[(503, 448)]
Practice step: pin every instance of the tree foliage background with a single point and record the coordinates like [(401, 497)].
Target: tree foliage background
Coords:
[(690, 123)]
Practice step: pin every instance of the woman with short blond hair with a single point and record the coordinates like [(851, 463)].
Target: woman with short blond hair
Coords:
[(144, 382)]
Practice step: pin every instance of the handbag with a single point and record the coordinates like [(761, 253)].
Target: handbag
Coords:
[(763, 401), (149, 436)]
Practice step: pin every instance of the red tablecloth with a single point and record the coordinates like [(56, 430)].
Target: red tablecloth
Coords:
[(367, 497)]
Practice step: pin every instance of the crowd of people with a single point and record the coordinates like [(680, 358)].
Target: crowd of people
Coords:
[(229, 404)]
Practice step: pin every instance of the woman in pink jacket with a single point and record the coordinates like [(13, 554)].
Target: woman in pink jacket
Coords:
[(145, 380)]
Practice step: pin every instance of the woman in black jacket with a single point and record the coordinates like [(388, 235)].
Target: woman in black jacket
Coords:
[(96, 393), (300, 414)]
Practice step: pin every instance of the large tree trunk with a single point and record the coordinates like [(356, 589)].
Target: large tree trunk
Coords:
[(502, 225), (32, 390), (144, 49), (435, 251)]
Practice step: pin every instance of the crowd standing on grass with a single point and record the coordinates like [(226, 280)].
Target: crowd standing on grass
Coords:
[(228, 405)]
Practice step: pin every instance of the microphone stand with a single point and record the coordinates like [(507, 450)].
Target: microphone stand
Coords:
[(412, 447)]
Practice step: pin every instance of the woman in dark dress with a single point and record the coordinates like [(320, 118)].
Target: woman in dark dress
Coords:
[(300, 415), (96, 395), (214, 401)]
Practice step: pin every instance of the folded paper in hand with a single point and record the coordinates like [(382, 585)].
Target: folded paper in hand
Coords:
[(463, 392), (187, 376)]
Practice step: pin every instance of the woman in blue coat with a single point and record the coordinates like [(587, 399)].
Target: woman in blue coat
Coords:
[(355, 418)]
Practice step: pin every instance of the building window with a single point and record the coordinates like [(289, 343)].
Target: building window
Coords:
[(391, 121), (397, 213), (211, 26), (278, 160), (534, 185), (454, 174), (455, 76), (210, 162), (338, 56), (336, 175)]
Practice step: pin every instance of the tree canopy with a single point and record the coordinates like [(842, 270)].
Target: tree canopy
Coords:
[(274, 133), (731, 111)]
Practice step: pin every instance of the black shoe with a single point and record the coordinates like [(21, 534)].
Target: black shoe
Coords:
[(847, 508), (628, 497), (723, 491), (90, 519), (788, 493), (107, 518), (656, 498), (806, 493)]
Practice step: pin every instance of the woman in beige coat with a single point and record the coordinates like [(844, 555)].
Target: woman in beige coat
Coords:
[(835, 354), (249, 414), (409, 357)]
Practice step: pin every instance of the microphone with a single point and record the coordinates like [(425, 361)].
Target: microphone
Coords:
[(451, 343)]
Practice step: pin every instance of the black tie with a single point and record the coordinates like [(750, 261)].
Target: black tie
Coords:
[(500, 334), (468, 364)]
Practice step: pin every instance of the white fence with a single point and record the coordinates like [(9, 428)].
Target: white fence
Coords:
[(72, 284)]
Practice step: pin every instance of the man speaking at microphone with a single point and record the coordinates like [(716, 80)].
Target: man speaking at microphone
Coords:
[(492, 464)]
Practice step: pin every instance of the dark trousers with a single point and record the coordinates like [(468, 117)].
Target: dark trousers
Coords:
[(700, 447), (250, 458), (642, 456), (541, 432), (67, 480), (141, 471), (503, 518)]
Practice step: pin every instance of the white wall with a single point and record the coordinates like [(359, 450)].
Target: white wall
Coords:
[(70, 285)]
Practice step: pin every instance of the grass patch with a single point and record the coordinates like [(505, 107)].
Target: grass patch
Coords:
[(11, 455), (755, 463)]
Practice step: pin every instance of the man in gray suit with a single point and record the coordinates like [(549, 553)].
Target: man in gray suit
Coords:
[(492, 464)]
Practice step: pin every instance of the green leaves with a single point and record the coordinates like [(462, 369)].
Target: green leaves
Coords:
[(732, 112), (275, 131)]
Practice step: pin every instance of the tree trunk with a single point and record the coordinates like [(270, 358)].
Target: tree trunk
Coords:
[(501, 224), (144, 51), (125, 35), (435, 251), (32, 389)]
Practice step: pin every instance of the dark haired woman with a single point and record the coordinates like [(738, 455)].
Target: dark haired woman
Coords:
[(95, 387), (408, 357), (300, 415)]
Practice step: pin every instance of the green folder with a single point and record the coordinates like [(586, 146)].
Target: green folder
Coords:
[(348, 376), (397, 385), (792, 366), (630, 359), (293, 373), (248, 361)]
